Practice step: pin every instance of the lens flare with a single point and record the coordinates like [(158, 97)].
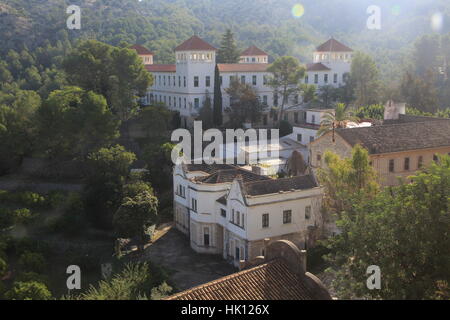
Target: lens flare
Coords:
[(437, 22), (395, 10), (298, 10)]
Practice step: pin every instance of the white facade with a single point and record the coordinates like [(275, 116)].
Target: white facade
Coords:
[(219, 219), (331, 62), (254, 59), (184, 86), (306, 133)]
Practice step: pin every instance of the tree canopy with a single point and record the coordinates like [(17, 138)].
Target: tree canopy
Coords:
[(403, 230)]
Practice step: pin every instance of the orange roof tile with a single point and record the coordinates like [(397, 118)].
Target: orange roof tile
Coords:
[(195, 43), (243, 67), (317, 67), (141, 50), (270, 281), (253, 51), (161, 68), (333, 45)]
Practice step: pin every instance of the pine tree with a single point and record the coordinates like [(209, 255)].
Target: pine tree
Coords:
[(228, 52)]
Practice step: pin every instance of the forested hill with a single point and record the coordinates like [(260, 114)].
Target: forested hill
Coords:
[(270, 24)]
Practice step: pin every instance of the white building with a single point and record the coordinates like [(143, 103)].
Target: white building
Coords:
[(229, 211), (266, 158), (254, 55), (185, 85), (331, 62), (305, 130)]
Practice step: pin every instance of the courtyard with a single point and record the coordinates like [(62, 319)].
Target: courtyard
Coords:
[(188, 268)]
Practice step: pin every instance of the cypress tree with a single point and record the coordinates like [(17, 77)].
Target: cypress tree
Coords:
[(217, 110)]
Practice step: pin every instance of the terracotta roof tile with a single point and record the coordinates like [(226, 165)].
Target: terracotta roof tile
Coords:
[(141, 50), (161, 68), (333, 45), (195, 43), (316, 67), (243, 67), (253, 51), (270, 281)]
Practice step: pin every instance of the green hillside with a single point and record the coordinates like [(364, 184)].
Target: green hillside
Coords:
[(162, 24)]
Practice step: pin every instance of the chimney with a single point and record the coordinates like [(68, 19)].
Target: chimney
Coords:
[(290, 253), (392, 110)]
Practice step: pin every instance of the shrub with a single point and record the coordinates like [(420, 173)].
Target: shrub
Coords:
[(2, 290), (161, 291), (56, 199), (71, 224), (131, 190), (3, 267), (315, 256), (23, 216), (23, 198), (26, 244), (6, 218), (31, 290), (285, 128), (32, 276), (32, 262)]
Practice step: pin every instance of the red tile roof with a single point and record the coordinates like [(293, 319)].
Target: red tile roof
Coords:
[(273, 280), (253, 51), (195, 43), (243, 67), (141, 50), (161, 68), (333, 45), (317, 67)]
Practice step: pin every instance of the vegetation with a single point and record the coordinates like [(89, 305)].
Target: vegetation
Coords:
[(65, 97), (137, 281), (206, 114), (228, 52), (403, 230), (116, 73), (287, 73), (338, 118), (136, 215), (245, 104), (364, 79)]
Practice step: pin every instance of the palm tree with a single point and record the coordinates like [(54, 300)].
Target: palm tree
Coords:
[(335, 119)]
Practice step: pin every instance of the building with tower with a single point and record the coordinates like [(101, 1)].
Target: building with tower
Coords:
[(185, 85), (331, 62)]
